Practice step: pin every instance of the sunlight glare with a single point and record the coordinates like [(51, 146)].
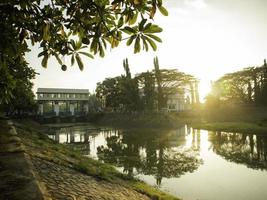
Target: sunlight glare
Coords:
[(204, 89)]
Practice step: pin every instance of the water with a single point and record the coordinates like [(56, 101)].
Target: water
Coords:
[(191, 164)]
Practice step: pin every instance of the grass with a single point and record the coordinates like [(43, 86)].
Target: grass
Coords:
[(240, 127), (142, 120), (39, 145), (251, 120), (152, 192)]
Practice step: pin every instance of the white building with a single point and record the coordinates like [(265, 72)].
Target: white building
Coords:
[(177, 102), (62, 102)]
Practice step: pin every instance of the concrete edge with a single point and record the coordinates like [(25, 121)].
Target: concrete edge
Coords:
[(41, 188)]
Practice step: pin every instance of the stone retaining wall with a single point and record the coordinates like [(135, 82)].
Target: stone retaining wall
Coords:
[(17, 178)]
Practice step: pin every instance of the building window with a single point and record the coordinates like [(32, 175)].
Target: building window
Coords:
[(172, 106)]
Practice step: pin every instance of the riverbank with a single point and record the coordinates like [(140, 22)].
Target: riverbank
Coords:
[(141, 120), (246, 119), (237, 127), (66, 174), (251, 120)]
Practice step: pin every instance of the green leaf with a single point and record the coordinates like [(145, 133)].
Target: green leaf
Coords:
[(153, 29), (101, 51), (154, 37), (87, 54), (144, 43), (79, 61), (163, 11), (137, 46), (133, 19), (152, 43), (72, 42), (159, 3), (130, 40), (104, 43), (72, 60), (86, 41), (128, 30), (120, 22), (42, 53), (78, 44), (94, 45), (46, 32), (141, 24), (44, 61), (58, 59)]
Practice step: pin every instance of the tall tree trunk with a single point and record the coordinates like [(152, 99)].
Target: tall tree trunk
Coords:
[(196, 92), (256, 88), (249, 92), (192, 89), (159, 82)]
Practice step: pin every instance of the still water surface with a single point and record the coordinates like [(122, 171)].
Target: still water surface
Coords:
[(188, 163)]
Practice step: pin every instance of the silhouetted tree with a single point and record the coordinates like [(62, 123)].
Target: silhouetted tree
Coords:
[(245, 86), (22, 99)]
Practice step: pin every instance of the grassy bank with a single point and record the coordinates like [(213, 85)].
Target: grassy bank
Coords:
[(240, 127), (245, 119), (141, 120), (37, 144)]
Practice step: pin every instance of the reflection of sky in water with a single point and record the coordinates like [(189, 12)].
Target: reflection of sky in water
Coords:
[(217, 178)]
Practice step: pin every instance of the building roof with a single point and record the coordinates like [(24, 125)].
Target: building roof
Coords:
[(62, 90)]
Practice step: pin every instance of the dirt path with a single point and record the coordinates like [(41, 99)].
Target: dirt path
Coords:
[(65, 183)]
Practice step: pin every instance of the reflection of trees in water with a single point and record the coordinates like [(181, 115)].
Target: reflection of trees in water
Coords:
[(247, 149), (150, 153)]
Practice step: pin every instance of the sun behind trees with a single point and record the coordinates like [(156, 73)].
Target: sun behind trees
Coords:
[(247, 86)]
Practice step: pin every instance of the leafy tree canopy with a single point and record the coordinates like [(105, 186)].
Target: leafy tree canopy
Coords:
[(248, 85), (73, 28), (94, 23)]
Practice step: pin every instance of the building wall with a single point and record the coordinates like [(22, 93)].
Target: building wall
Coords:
[(176, 102), (62, 101)]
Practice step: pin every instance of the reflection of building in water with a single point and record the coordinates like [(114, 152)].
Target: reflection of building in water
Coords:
[(79, 139), (176, 137)]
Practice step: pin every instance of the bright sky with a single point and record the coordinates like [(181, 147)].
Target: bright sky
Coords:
[(205, 38)]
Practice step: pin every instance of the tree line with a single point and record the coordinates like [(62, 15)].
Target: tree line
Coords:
[(247, 86), (146, 91)]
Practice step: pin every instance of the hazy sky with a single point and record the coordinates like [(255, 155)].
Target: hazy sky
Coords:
[(206, 38)]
